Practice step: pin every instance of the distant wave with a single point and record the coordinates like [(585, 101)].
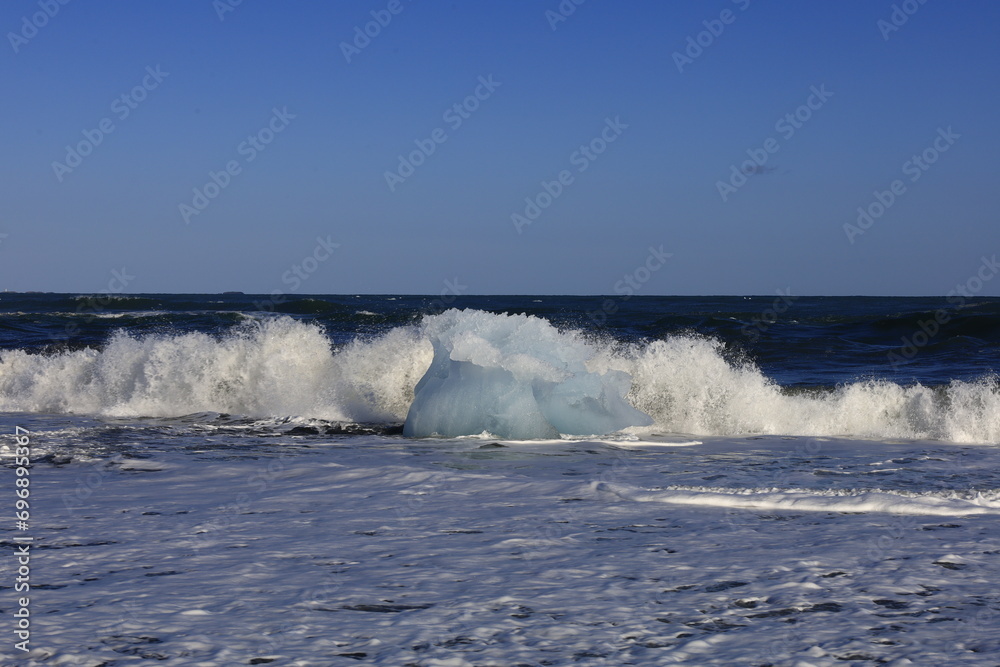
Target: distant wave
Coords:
[(278, 366), (107, 297), (122, 301)]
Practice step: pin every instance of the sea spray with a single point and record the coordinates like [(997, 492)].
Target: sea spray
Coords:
[(268, 366), (277, 366)]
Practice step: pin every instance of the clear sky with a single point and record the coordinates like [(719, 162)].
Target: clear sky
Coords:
[(665, 98)]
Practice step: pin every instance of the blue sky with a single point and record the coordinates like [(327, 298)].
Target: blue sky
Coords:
[(203, 84)]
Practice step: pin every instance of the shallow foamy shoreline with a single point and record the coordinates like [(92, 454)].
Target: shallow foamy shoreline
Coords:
[(480, 552)]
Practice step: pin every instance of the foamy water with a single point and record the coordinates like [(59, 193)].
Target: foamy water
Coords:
[(279, 366)]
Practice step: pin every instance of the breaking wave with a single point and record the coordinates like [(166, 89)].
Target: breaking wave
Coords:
[(279, 366)]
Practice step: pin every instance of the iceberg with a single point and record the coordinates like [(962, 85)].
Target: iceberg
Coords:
[(516, 377)]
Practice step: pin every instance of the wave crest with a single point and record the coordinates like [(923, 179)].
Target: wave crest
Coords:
[(278, 366), (263, 367), (687, 386)]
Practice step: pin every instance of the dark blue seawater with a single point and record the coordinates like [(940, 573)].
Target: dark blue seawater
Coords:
[(796, 341)]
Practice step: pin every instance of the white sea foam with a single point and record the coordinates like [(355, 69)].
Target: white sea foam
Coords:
[(812, 501), (375, 556), (687, 386), (267, 367), (279, 366)]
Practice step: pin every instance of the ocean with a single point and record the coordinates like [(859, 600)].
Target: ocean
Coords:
[(502, 480)]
